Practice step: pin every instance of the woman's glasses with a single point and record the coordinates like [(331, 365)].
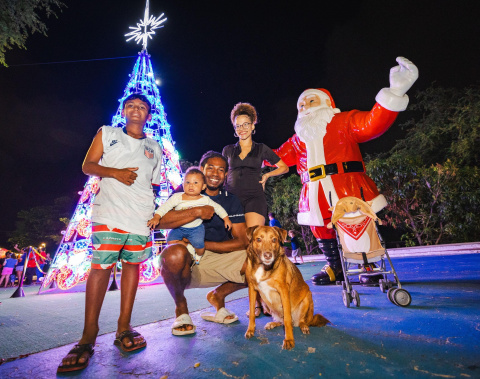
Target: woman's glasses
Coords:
[(244, 126)]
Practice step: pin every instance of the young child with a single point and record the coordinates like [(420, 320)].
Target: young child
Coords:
[(129, 164), (193, 185), (295, 243)]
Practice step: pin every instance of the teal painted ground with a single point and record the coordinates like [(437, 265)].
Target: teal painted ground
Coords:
[(436, 337)]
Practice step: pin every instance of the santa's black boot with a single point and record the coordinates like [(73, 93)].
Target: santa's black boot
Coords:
[(332, 271)]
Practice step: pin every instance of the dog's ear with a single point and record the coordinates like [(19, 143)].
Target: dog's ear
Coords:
[(282, 233), (250, 231)]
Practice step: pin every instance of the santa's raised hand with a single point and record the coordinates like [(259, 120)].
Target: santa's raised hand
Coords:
[(403, 76)]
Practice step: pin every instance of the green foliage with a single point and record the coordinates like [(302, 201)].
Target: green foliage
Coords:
[(431, 178), (447, 129), (42, 223), (19, 18), (283, 194)]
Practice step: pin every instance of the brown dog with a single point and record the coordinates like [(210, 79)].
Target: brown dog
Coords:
[(280, 284)]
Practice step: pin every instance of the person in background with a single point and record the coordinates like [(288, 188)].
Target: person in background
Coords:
[(20, 262), (41, 264), (273, 221), (8, 266), (295, 245), (31, 267)]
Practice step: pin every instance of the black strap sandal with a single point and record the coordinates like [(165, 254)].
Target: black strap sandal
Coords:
[(130, 334), (78, 350)]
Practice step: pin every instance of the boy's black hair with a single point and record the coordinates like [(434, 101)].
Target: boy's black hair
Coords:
[(195, 170), (212, 154), (139, 96), (271, 214)]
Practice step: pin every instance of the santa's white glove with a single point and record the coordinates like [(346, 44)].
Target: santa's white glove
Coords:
[(402, 78)]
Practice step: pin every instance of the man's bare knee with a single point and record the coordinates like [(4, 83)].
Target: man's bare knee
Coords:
[(174, 258)]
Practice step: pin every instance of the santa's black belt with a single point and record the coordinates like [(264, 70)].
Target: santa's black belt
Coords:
[(321, 171)]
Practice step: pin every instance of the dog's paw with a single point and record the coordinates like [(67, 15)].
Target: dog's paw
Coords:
[(271, 325), (288, 344), (249, 334), (305, 329)]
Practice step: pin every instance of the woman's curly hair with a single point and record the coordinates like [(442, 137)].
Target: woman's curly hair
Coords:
[(244, 109)]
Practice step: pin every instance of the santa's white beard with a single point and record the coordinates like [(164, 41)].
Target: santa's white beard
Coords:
[(314, 124)]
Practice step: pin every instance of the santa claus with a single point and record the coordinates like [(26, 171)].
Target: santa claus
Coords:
[(325, 150)]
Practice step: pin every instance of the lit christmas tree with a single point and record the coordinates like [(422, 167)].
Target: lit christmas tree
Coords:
[(72, 261)]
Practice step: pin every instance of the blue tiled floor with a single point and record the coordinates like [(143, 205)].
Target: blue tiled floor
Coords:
[(436, 337)]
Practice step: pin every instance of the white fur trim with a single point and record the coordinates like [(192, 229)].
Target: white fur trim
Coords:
[(379, 203), (309, 219), (387, 99)]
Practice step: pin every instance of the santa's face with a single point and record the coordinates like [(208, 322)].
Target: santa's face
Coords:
[(312, 123), (311, 102)]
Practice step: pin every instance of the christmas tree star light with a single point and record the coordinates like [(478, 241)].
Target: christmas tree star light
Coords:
[(146, 27)]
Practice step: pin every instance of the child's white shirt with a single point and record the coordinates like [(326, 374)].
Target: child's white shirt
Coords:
[(176, 202)]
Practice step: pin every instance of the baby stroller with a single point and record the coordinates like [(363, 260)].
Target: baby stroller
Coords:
[(362, 250)]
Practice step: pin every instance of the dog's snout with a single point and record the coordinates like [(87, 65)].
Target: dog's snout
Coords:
[(267, 254)]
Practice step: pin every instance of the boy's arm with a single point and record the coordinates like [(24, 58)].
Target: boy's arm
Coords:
[(90, 165), (239, 241)]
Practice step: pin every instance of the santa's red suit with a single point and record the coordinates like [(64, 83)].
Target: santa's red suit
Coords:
[(340, 147)]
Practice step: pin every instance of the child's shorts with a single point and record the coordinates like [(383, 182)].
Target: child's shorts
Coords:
[(195, 235), (7, 271), (111, 244), (296, 253)]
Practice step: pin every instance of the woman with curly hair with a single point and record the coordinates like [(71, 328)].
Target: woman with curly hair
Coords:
[(245, 158)]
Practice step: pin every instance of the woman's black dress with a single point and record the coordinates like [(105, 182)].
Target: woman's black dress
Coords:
[(244, 175)]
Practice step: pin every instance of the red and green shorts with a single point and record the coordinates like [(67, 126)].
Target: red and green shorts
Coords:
[(111, 244)]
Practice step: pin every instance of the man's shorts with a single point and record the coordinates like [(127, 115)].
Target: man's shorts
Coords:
[(195, 235), (111, 244), (215, 269)]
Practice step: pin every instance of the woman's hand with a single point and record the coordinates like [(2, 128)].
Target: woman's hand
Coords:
[(264, 180)]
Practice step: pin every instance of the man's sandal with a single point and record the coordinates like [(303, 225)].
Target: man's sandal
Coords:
[(78, 350), (130, 334)]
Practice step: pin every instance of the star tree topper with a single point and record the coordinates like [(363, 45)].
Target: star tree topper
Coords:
[(146, 27)]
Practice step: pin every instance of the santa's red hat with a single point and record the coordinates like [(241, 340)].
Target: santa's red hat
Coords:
[(321, 92)]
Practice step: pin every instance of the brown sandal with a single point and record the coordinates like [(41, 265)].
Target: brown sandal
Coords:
[(78, 350)]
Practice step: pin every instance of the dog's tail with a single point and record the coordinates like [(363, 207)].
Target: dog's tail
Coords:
[(319, 320)]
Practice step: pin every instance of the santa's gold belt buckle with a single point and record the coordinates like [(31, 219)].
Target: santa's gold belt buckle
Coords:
[(314, 175)]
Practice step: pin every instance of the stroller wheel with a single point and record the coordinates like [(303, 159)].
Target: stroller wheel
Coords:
[(346, 298), (382, 285), (390, 295), (401, 297), (356, 298)]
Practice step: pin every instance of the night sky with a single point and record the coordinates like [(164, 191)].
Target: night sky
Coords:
[(209, 56)]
